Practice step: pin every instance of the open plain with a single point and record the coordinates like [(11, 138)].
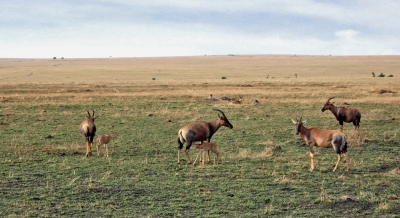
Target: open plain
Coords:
[(143, 102)]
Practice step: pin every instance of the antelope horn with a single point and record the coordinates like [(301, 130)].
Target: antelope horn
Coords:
[(93, 113), (88, 113), (219, 111), (301, 118), (330, 99)]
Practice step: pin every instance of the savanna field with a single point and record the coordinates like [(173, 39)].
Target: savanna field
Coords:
[(143, 102)]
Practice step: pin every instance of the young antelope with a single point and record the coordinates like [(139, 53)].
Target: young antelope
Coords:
[(103, 140), (206, 146)]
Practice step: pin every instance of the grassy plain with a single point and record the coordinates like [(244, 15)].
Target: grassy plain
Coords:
[(144, 101)]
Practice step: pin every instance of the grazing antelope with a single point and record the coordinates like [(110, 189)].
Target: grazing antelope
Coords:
[(255, 103), (88, 130), (343, 114), (202, 131), (206, 146), (322, 138), (103, 140)]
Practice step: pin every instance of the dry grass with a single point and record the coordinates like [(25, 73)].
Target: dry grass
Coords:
[(183, 78)]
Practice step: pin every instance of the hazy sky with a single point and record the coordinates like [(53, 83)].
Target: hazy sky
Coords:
[(143, 28)]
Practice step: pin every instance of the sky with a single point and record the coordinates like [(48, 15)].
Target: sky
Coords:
[(154, 28)]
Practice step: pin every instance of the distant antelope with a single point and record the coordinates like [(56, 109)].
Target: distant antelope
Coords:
[(322, 138), (343, 114), (255, 103), (202, 131), (88, 130), (239, 101), (206, 146), (103, 140)]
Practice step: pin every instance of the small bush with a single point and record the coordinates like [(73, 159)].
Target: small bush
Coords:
[(154, 79), (373, 74), (390, 75), (224, 77), (381, 75)]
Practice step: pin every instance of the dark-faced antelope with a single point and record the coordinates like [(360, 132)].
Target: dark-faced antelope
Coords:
[(88, 130), (322, 138), (103, 140), (202, 131), (343, 114), (206, 146)]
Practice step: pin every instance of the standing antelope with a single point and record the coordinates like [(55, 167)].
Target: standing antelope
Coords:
[(201, 131), (322, 138), (343, 113), (103, 140), (206, 146), (88, 130)]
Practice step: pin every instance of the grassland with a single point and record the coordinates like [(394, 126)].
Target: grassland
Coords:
[(144, 101)]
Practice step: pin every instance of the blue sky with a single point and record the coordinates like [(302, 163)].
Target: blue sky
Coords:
[(123, 28)]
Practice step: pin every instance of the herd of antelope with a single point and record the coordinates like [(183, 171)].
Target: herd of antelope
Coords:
[(199, 134)]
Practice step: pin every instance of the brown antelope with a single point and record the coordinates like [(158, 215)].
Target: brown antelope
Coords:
[(103, 140), (239, 101), (322, 138), (88, 130), (343, 114), (202, 131), (206, 146)]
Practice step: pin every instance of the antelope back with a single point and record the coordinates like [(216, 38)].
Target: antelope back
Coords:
[(87, 126)]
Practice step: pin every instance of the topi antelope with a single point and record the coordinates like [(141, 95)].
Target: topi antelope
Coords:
[(88, 130), (103, 140), (322, 138), (202, 131), (206, 146), (343, 114), (239, 101)]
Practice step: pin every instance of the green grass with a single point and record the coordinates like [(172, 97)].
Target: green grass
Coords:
[(50, 177)]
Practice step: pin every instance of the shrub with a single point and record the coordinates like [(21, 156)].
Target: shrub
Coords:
[(224, 77), (381, 75)]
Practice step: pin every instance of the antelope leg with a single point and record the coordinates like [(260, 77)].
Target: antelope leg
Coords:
[(187, 155), (337, 163), (312, 161)]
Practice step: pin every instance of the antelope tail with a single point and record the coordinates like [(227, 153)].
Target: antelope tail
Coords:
[(343, 146), (180, 138)]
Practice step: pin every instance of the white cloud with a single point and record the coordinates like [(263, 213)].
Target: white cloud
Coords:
[(346, 34)]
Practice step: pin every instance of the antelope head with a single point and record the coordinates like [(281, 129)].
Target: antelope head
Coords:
[(91, 117), (223, 120), (328, 105), (298, 123)]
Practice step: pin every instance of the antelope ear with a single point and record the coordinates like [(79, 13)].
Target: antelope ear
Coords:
[(95, 117), (305, 121), (293, 121)]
